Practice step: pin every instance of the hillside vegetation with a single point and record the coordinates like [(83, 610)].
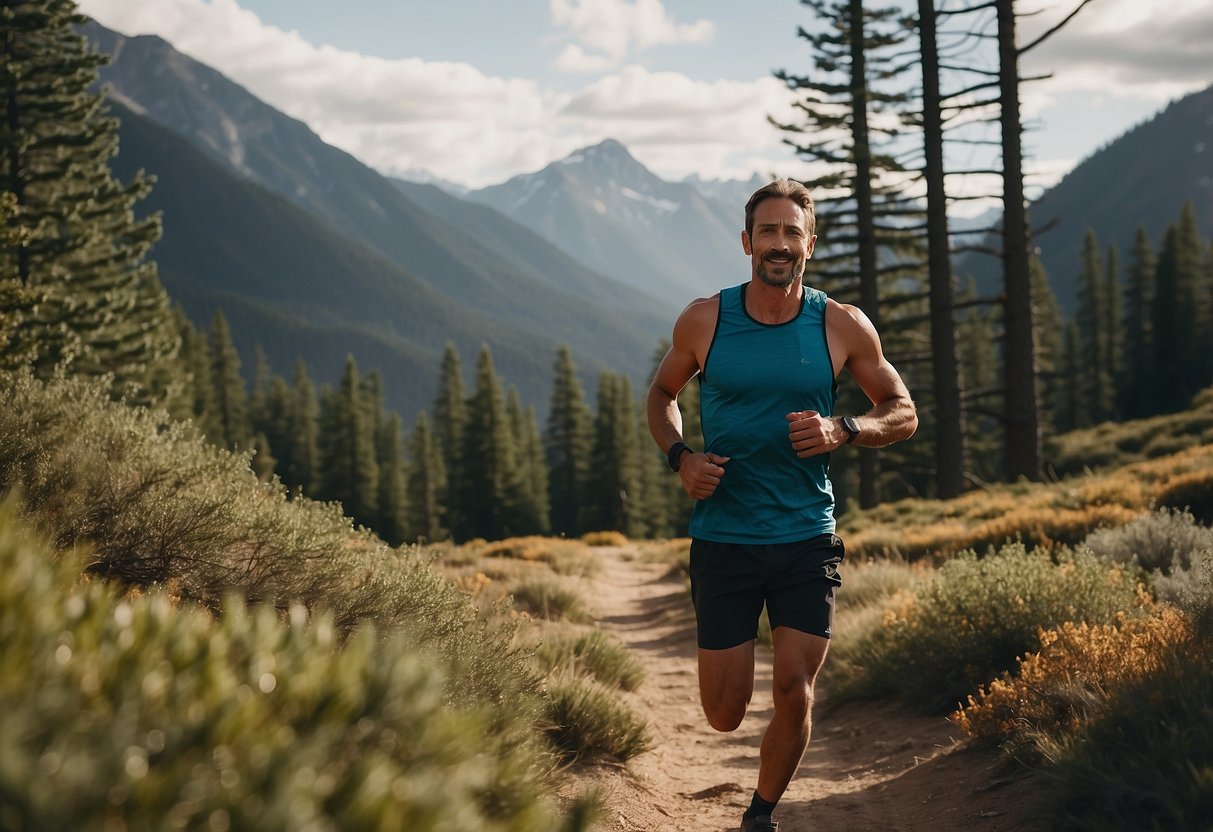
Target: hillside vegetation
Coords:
[(251, 657)]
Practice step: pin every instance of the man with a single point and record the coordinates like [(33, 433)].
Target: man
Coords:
[(768, 353)]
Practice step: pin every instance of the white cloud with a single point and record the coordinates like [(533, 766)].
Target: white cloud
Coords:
[(574, 59), (447, 117), (455, 121), (678, 126), (1125, 48), (613, 29)]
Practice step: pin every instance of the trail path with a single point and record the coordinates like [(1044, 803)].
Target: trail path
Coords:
[(868, 767)]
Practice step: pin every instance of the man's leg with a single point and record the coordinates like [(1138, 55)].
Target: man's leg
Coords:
[(726, 683), (798, 657)]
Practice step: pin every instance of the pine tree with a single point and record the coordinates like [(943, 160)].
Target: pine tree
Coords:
[(17, 301), (1050, 339), (450, 420), (351, 473), (427, 483), (489, 472), (263, 462), (1091, 317), (301, 469), (79, 249), (567, 442), (853, 51), (535, 471), (231, 399), (1176, 340), (1136, 387), (1072, 408), (392, 497), (198, 395), (615, 460), (1113, 328)]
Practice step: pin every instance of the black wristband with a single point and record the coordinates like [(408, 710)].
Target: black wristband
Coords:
[(674, 455)]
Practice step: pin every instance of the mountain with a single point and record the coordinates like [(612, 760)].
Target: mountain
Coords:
[(535, 295), (1141, 178), (289, 282), (727, 191), (424, 177), (608, 211)]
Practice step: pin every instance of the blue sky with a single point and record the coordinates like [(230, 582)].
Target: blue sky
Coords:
[(476, 91)]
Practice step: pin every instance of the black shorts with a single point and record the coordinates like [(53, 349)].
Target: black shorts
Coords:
[(731, 581)]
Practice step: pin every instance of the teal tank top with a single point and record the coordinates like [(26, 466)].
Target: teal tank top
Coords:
[(753, 376)]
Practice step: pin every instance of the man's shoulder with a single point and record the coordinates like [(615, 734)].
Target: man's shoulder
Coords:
[(701, 310)]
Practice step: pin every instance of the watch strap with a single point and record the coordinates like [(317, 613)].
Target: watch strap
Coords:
[(674, 456)]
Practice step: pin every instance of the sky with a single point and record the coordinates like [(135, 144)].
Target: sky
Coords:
[(477, 91)]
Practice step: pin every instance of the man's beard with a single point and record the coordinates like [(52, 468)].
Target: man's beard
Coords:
[(795, 270)]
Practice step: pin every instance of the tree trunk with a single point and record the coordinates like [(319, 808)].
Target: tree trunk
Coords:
[(869, 294), (1022, 407), (945, 365)]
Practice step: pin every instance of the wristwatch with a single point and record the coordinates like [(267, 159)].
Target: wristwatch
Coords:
[(852, 429), (674, 456)]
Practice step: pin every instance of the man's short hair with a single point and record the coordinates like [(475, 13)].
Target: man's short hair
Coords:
[(785, 189)]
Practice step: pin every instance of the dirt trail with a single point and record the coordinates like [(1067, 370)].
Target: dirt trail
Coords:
[(869, 766)]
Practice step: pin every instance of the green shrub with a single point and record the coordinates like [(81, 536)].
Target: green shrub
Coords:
[(550, 599), (137, 713), (976, 616), (588, 723), (591, 652), (157, 505), (1159, 541), (1189, 589), (1148, 762)]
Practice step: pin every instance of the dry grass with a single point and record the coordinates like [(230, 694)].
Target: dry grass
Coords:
[(1039, 514)]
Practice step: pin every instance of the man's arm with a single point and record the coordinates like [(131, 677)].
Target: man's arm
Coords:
[(700, 472), (893, 416)]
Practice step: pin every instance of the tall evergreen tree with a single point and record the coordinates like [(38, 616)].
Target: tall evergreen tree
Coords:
[(1137, 384), (101, 308), (1071, 410), (427, 484), (1113, 328), (568, 443), (946, 376), (17, 300), (535, 474), (615, 460), (852, 49), (489, 474), (1091, 317), (230, 397), (1176, 340), (351, 472), (450, 420), (302, 467), (1050, 339), (392, 496)]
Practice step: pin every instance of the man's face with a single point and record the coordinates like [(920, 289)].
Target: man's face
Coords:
[(780, 243)]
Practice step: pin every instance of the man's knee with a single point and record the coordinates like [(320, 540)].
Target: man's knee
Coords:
[(725, 716), (793, 695)]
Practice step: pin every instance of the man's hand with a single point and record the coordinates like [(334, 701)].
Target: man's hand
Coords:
[(812, 434), (701, 474)]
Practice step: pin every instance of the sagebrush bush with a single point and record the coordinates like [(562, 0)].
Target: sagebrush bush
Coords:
[(588, 723), (140, 713), (1189, 589), (590, 652), (1147, 763), (976, 616), (550, 599), (157, 505), (604, 538), (1160, 541), (1070, 680)]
